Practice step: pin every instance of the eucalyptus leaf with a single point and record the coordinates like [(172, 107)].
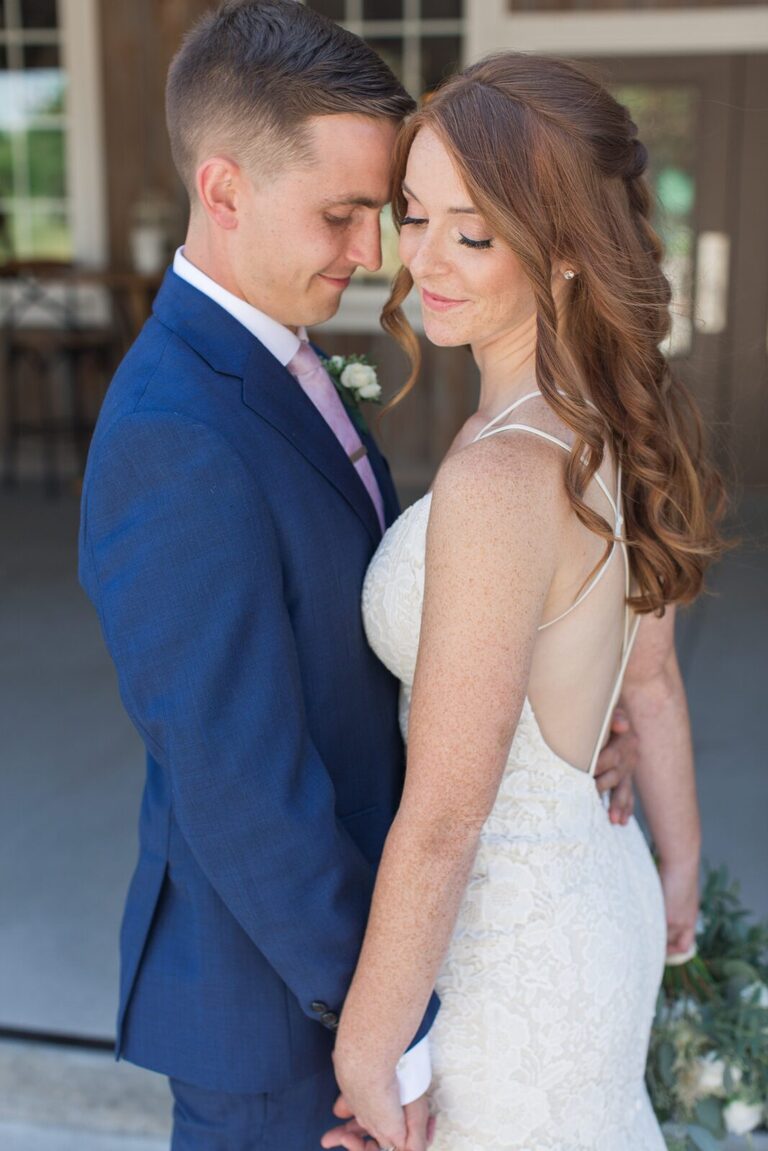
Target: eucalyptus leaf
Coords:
[(740, 971), (708, 1112), (666, 1063), (703, 1140)]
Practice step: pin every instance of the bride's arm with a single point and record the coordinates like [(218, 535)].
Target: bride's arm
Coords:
[(491, 555), (654, 698)]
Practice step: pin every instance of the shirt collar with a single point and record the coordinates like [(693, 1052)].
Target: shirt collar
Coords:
[(276, 338)]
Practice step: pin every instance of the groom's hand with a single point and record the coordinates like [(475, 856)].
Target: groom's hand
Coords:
[(615, 767), (350, 1135), (420, 1128)]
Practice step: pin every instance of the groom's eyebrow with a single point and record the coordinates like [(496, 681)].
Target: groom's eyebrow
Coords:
[(451, 211), (356, 202)]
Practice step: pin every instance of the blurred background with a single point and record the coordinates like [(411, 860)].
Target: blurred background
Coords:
[(90, 213)]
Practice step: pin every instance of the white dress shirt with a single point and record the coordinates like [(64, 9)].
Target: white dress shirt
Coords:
[(414, 1069)]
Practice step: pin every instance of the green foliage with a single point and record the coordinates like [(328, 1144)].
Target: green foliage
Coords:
[(45, 151), (709, 1044)]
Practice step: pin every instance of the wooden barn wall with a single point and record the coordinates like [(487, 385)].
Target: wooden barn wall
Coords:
[(138, 41)]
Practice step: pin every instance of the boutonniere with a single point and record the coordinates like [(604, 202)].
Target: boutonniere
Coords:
[(355, 379)]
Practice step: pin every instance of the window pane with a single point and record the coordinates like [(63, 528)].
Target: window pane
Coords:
[(41, 92), (46, 163), (38, 14), (46, 235), (6, 165), (441, 9), (391, 51), (10, 113), (41, 56), (383, 9), (666, 117), (6, 241), (440, 56), (332, 8)]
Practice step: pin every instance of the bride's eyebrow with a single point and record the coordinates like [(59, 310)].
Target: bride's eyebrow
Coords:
[(451, 211)]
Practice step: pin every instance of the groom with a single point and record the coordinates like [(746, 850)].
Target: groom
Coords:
[(229, 513)]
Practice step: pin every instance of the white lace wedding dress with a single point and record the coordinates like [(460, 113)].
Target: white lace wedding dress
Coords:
[(549, 985)]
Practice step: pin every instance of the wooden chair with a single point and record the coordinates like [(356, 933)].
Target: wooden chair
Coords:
[(47, 352)]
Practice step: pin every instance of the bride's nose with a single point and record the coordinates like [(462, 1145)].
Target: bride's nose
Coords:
[(427, 255)]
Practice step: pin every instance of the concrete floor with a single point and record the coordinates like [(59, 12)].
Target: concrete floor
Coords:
[(71, 771), (56, 1099)]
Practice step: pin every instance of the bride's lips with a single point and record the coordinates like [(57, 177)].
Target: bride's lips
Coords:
[(437, 303), (340, 282)]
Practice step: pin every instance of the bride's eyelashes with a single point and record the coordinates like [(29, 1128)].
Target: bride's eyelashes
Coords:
[(465, 240), (474, 243)]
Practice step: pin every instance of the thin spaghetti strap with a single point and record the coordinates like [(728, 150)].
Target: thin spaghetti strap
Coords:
[(507, 411), (604, 488), (485, 435), (587, 591), (616, 690), (630, 629)]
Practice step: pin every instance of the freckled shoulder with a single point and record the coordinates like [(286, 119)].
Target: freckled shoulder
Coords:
[(513, 478)]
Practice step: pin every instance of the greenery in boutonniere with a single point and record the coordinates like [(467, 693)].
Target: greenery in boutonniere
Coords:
[(707, 1071), (355, 379)]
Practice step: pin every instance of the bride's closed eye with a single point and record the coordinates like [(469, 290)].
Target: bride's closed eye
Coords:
[(478, 245), (474, 243)]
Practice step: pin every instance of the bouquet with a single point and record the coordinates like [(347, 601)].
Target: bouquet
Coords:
[(707, 1071)]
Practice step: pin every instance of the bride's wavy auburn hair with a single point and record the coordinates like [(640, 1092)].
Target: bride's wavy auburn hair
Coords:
[(553, 163)]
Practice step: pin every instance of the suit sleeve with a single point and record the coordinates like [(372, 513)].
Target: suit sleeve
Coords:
[(189, 588)]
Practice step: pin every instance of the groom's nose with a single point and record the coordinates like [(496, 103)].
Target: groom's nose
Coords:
[(365, 244)]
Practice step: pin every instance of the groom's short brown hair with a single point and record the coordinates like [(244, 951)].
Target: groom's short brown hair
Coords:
[(250, 74)]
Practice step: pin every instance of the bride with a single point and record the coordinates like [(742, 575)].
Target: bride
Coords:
[(515, 601)]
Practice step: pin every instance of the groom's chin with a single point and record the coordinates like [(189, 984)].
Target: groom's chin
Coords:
[(319, 312)]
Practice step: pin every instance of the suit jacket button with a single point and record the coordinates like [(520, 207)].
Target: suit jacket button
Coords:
[(319, 1007), (330, 1020)]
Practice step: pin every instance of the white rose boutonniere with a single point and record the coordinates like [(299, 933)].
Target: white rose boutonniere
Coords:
[(355, 380)]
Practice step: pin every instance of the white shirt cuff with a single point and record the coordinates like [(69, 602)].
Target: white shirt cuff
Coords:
[(414, 1072)]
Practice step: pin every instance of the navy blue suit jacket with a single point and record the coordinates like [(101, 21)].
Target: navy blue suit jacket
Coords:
[(224, 540)]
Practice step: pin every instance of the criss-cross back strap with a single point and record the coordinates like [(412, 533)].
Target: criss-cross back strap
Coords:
[(630, 632), (630, 628), (494, 428)]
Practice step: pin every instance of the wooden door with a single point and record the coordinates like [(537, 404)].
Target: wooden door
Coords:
[(705, 123)]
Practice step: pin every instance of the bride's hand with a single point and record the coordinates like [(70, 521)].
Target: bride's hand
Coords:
[(680, 883)]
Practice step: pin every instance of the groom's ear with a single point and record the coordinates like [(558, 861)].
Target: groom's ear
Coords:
[(219, 187)]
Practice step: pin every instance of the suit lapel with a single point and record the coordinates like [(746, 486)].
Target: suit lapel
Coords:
[(271, 391), (383, 478)]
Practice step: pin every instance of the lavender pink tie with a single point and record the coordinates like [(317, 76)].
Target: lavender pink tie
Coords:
[(318, 386)]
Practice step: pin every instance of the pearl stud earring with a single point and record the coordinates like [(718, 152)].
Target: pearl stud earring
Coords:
[(568, 274)]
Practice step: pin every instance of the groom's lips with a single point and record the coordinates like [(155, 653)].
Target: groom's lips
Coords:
[(439, 303), (340, 282)]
